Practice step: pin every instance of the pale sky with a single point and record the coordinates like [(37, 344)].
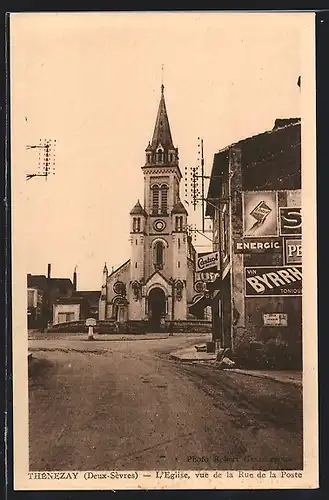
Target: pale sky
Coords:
[(92, 82)]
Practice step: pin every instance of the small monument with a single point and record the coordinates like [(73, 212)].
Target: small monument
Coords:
[(90, 322)]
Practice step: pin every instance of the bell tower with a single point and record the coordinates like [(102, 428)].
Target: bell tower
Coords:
[(156, 284), (159, 242)]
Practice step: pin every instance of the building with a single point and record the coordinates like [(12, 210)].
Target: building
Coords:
[(156, 284), (52, 289), (80, 306), (254, 199), (91, 297), (34, 307)]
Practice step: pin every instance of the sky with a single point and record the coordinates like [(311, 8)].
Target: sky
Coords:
[(92, 82)]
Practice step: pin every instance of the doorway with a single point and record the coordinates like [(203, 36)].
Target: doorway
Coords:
[(157, 308)]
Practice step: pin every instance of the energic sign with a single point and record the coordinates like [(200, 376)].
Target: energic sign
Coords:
[(258, 245), (275, 281)]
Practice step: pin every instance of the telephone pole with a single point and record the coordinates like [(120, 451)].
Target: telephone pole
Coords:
[(46, 158)]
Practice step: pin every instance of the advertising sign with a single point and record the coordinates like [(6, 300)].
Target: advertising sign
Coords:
[(290, 221), (293, 250), (258, 245), (208, 276), (207, 262), (275, 319), (260, 213), (199, 286), (273, 281)]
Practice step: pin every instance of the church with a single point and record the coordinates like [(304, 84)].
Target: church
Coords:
[(156, 284)]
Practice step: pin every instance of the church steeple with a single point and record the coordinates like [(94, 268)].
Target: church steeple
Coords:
[(161, 149)]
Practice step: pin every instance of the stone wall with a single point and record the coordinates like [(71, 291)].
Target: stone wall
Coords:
[(133, 327)]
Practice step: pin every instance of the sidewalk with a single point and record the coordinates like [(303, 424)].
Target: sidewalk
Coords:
[(284, 376), (191, 354)]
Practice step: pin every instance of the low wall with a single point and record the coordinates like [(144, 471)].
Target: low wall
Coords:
[(133, 327)]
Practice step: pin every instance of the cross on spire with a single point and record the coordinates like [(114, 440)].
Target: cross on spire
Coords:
[(162, 85)]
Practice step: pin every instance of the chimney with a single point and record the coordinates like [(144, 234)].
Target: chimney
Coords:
[(75, 279), (49, 271)]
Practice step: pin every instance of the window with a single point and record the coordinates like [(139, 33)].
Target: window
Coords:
[(159, 199), (164, 199), (64, 317), (179, 223), (178, 264), (155, 198), (136, 224), (159, 254), (170, 157), (160, 156), (178, 242)]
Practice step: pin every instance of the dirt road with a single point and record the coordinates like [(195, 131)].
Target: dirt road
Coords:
[(127, 405)]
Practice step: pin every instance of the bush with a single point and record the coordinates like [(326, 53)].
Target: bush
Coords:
[(249, 355), (269, 355)]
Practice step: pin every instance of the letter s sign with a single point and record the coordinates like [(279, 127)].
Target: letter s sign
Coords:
[(290, 221)]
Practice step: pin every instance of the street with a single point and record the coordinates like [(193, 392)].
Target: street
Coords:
[(126, 405)]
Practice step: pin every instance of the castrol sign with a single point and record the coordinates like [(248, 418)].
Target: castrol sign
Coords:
[(208, 261)]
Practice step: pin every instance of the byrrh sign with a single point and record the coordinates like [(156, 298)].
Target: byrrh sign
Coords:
[(275, 281), (208, 261)]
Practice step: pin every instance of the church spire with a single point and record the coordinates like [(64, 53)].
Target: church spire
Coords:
[(161, 149), (162, 133)]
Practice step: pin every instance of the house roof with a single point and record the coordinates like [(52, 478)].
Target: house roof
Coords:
[(90, 295), (69, 300), (262, 159), (42, 282)]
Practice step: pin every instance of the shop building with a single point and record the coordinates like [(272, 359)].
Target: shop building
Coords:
[(254, 200)]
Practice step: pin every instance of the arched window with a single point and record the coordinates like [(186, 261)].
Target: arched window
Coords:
[(136, 224), (155, 198), (164, 199), (179, 223), (159, 255), (160, 154)]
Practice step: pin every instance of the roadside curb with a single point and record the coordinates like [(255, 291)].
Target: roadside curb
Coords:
[(212, 363), (297, 383), (177, 357)]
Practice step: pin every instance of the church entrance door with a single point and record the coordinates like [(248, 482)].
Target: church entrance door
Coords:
[(157, 308)]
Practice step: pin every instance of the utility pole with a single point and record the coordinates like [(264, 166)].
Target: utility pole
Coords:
[(46, 158), (195, 189)]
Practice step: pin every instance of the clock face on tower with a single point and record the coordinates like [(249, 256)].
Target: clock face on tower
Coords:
[(159, 225)]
